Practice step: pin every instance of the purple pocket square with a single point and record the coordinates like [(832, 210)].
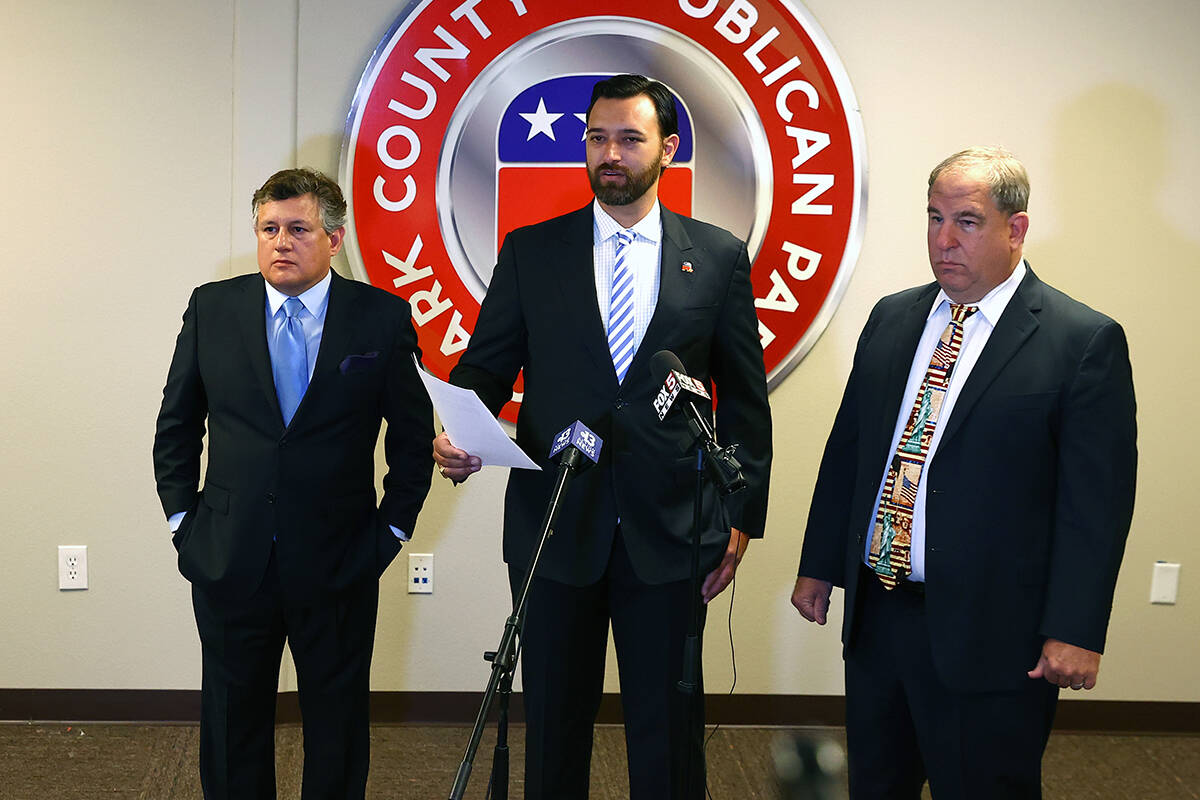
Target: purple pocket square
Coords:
[(357, 363)]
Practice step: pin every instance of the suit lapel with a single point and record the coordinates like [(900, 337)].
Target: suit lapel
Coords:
[(253, 321), (674, 285), (1015, 326), (905, 339), (576, 275), (335, 335)]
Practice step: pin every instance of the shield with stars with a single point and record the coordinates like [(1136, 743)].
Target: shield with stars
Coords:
[(541, 172), (467, 123)]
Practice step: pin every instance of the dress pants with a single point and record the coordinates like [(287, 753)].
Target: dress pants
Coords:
[(242, 644), (564, 643), (904, 726)]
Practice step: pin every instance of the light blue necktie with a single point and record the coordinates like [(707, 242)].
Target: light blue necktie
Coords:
[(291, 360), (620, 309)]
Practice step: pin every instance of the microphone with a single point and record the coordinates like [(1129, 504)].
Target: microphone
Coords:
[(578, 445), (678, 391)]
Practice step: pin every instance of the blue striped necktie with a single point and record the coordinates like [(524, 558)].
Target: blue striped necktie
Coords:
[(620, 308), (291, 360)]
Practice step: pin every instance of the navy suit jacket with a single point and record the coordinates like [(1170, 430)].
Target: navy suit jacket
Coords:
[(541, 315), (1029, 495), (309, 487)]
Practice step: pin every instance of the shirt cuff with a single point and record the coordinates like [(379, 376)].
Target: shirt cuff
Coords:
[(399, 534), (175, 520)]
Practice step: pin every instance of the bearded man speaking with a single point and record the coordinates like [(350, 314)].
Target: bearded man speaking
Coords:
[(581, 303)]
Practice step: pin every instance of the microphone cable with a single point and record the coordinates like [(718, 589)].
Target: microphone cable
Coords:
[(733, 683)]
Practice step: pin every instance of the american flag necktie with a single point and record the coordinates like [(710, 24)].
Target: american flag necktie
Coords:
[(891, 543), (620, 308)]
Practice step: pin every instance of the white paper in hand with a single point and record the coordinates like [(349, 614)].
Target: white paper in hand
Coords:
[(471, 427)]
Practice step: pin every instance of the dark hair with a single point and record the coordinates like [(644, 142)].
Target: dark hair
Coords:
[(620, 87), (289, 183)]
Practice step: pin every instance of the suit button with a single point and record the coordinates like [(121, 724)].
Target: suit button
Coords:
[(270, 497), (620, 404)]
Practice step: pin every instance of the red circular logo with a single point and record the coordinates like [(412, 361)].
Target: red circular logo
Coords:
[(468, 122)]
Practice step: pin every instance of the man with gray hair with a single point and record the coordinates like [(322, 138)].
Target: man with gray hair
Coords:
[(973, 500), (292, 370)]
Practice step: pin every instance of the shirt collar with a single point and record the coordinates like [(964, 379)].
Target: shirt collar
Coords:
[(604, 227), (315, 298), (994, 302)]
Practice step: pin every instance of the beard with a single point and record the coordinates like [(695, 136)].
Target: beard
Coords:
[(635, 185)]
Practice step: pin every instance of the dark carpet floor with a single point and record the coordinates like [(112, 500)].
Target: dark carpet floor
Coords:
[(158, 762)]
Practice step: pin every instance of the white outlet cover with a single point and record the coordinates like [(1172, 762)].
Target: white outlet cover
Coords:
[(72, 567), (1164, 583), (420, 573)]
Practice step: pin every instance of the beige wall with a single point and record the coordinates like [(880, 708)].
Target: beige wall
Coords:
[(136, 131)]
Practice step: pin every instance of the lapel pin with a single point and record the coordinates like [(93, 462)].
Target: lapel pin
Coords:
[(686, 266)]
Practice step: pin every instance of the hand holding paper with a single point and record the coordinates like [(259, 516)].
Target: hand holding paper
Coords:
[(454, 463), (477, 437)]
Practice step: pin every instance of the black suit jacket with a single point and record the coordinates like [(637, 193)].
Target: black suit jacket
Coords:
[(1029, 495), (310, 486), (541, 315)]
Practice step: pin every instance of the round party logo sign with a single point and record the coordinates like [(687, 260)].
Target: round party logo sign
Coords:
[(469, 119)]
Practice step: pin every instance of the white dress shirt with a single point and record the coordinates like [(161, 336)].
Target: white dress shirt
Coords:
[(976, 332), (643, 257)]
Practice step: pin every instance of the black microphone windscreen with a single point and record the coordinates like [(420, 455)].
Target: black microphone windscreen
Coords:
[(662, 362)]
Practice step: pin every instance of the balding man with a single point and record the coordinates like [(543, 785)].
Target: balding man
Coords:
[(973, 500)]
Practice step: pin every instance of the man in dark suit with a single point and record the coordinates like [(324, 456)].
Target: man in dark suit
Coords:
[(293, 370), (973, 500), (620, 551)]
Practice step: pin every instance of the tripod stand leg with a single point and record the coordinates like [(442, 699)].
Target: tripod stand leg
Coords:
[(500, 756)]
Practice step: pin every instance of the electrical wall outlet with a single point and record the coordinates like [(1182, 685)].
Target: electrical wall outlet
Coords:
[(72, 566), (420, 573), (1164, 584)]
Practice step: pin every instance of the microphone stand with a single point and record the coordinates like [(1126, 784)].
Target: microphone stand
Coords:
[(725, 472), (504, 658)]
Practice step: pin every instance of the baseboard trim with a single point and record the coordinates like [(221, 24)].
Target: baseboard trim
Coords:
[(459, 708)]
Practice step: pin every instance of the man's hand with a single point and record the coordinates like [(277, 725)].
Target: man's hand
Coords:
[(720, 577), (811, 598), (1066, 665), (455, 464)]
